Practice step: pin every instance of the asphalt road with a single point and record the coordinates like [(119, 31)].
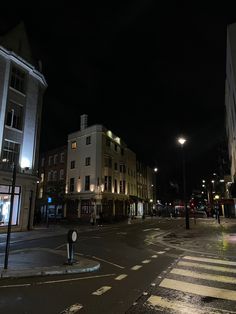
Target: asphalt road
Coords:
[(137, 275)]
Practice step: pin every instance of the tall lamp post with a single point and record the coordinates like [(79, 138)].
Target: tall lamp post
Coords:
[(182, 141), (155, 187)]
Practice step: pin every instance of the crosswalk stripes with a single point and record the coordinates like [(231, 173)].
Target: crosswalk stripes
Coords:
[(197, 278)]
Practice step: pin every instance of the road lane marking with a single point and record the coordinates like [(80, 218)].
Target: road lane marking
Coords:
[(154, 256), (72, 309), (122, 276), (182, 307), (16, 286), (101, 290), (161, 252), (146, 261), (103, 260), (208, 267), (205, 276), (199, 289), (210, 260), (72, 279), (136, 267)]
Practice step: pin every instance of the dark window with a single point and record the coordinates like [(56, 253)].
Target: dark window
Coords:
[(14, 116), (87, 183), (107, 183), (115, 186), (122, 151), (72, 164), (87, 161), (116, 166), (88, 140), (115, 147), (108, 142), (11, 152), (72, 184), (18, 78)]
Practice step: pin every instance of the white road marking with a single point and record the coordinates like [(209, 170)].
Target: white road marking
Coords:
[(136, 267), (154, 256), (205, 276), (199, 289), (209, 267), (72, 309), (210, 260), (161, 252), (167, 249), (122, 276), (146, 261), (145, 230), (60, 246), (101, 290), (16, 286), (71, 279), (103, 260), (182, 307)]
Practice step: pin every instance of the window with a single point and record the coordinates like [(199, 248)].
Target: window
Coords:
[(115, 186), (108, 142), (55, 175), (122, 151), (122, 168), (18, 79), (50, 175), (14, 116), (55, 159), (88, 140), (87, 161), (116, 166), (87, 183), (115, 147), (50, 160), (5, 205), (108, 161), (42, 177), (72, 164), (107, 183), (42, 162), (62, 158), (61, 174), (73, 145), (72, 184), (11, 151)]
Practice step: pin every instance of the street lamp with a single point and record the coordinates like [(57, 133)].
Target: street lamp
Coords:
[(182, 141)]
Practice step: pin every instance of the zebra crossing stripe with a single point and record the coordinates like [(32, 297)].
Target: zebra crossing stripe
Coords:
[(120, 277), (101, 290), (205, 276), (181, 307), (199, 289), (208, 267), (210, 260)]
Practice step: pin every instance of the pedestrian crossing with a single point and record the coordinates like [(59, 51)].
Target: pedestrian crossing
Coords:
[(196, 284)]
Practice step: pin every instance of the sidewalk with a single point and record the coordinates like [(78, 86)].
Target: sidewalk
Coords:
[(41, 261), (205, 237)]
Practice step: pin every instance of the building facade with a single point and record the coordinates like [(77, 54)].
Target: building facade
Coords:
[(101, 175), (21, 93), (230, 97), (51, 184)]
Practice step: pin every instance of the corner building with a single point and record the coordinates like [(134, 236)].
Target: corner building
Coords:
[(101, 174), (21, 92)]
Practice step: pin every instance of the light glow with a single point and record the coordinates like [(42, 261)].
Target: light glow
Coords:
[(25, 163), (181, 140)]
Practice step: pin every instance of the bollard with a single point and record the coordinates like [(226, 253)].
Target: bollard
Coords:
[(72, 237)]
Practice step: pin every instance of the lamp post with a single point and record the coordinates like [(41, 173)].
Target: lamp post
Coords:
[(182, 141)]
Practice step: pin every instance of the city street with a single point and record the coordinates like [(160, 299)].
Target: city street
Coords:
[(147, 266)]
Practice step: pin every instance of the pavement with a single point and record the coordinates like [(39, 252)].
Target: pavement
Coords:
[(206, 236)]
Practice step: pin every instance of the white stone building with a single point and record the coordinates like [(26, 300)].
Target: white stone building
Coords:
[(21, 93), (101, 174)]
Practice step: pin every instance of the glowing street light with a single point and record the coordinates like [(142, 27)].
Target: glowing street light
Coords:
[(182, 141)]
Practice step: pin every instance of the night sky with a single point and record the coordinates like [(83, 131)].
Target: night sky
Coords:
[(147, 71)]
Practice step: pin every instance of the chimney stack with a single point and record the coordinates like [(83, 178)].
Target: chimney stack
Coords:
[(83, 122)]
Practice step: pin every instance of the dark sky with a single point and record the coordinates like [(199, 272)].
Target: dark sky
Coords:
[(145, 70)]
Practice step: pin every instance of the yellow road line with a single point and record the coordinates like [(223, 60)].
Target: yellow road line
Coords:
[(199, 289)]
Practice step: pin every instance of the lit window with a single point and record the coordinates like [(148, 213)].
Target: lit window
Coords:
[(18, 79), (73, 145)]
